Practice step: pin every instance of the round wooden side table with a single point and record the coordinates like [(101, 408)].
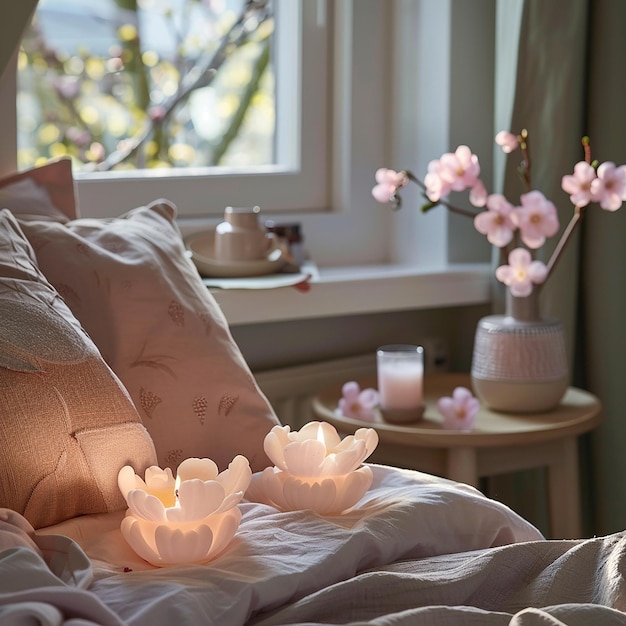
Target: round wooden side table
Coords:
[(499, 443)]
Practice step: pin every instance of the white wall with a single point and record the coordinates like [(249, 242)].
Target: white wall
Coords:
[(270, 345)]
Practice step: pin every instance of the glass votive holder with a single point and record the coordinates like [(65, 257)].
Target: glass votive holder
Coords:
[(400, 369)]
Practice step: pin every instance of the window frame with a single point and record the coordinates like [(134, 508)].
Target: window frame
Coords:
[(302, 55)]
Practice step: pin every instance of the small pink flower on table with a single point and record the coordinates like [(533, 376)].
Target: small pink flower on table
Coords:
[(358, 403), (459, 411)]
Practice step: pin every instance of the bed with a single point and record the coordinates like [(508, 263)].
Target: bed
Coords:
[(113, 353)]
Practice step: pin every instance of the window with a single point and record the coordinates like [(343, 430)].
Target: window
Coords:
[(147, 84), (294, 175), (366, 83)]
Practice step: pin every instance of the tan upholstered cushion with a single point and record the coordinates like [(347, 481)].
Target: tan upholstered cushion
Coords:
[(138, 295), (44, 192), (67, 425)]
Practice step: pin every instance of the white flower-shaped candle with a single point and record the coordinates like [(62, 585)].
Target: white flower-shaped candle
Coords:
[(187, 519), (315, 469)]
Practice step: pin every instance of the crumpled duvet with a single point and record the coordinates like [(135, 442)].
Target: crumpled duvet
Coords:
[(44, 579), (416, 550), (546, 583)]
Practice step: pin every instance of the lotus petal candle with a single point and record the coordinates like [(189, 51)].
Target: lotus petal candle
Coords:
[(187, 519), (315, 469)]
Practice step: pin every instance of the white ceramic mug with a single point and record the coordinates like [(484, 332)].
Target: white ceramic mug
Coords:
[(240, 237)]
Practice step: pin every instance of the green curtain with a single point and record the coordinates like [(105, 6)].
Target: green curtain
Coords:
[(568, 85), (603, 271), (549, 103), (12, 27)]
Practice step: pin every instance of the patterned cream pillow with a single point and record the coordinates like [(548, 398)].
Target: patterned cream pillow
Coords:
[(138, 295), (67, 425)]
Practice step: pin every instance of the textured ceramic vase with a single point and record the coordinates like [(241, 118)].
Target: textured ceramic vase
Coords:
[(519, 363)]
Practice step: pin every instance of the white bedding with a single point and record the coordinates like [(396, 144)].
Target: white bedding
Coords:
[(578, 583), (416, 550)]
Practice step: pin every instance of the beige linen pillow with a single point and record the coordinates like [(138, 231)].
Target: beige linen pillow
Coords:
[(136, 292), (67, 425)]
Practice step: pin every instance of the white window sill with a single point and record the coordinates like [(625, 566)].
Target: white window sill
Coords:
[(359, 290)]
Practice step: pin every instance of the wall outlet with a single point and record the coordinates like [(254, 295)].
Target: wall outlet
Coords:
[(436, 355)]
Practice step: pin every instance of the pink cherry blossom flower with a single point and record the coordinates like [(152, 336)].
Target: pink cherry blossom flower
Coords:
[(521, 273), (478, 194), (507, 141), (609, 188), (358, 404), (459, 411), (496, 221), (578, 184), (389, 181), (460, 169), (536, 219), (436, 187)]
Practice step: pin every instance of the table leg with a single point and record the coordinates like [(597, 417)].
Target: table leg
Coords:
[(461, 466), (563, 492)]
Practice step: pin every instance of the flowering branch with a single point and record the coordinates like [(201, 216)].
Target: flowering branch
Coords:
[(252, 15), (432, 205), (524, 168), (565, 237), (532, 222)]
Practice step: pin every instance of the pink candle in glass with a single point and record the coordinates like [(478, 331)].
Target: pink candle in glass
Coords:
[(400, 376)]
